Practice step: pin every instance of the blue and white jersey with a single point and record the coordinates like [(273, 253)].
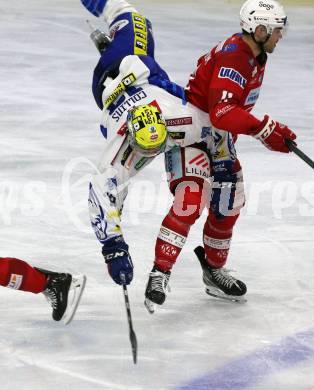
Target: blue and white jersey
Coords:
[(127, 75), (131, 34)]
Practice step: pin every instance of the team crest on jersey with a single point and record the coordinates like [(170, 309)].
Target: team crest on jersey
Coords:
[(233, 75)]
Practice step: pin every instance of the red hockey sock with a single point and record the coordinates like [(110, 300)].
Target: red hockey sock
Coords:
[(217, 237), (186, 208), (19, 275)]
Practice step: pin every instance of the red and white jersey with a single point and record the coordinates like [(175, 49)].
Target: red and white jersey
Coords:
[(226, 84)]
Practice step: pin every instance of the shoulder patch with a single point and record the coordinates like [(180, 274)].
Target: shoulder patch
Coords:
[(231, 47)]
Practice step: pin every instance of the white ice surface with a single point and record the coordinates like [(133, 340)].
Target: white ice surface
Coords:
[(49, 123)]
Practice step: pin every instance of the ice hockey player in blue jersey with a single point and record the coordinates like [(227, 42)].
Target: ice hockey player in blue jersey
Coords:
[(143, 114)]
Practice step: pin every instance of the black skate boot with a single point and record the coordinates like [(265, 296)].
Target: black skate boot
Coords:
[(63, 291), (156, 289), (218, 282), (56, 292)]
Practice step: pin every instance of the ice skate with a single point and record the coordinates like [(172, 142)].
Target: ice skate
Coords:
[(63, 292), (157, 286), (219, 283)]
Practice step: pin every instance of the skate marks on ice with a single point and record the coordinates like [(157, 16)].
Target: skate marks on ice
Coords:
[(247, 371)]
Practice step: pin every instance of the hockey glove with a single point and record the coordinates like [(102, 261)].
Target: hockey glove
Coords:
[(118, 259), (96, 7), (273, 134)]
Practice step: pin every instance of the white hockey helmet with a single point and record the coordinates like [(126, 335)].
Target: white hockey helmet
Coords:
[(268, 13)]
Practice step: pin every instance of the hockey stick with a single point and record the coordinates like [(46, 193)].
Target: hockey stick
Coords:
[(293, 147), (128, 313)]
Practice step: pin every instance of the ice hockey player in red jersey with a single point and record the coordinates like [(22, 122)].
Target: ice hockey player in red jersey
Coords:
[(226, 84), (62, 290)]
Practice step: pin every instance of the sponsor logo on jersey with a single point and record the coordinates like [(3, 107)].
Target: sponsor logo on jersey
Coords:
[(223, 111), (140, 34), (179, 121), (190, 171), (176, 135), (127, 104), (200, 159), (121, 87), (198, 166), (265, 5), (252, 96), (233, 75), (15, 281)]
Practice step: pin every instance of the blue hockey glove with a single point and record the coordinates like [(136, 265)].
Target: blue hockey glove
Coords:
[(118, 259), (96, 7)]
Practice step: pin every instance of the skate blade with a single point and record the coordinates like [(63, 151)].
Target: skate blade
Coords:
[(150, 306), (75, 294), (220, 295)]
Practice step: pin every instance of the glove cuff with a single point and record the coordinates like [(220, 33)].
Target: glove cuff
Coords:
[(112, 245), (265, 129)]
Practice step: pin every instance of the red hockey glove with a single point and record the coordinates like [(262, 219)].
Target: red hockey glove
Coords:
[(273, 134)]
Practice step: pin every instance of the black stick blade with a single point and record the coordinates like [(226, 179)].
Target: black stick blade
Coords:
[(134, 345)]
